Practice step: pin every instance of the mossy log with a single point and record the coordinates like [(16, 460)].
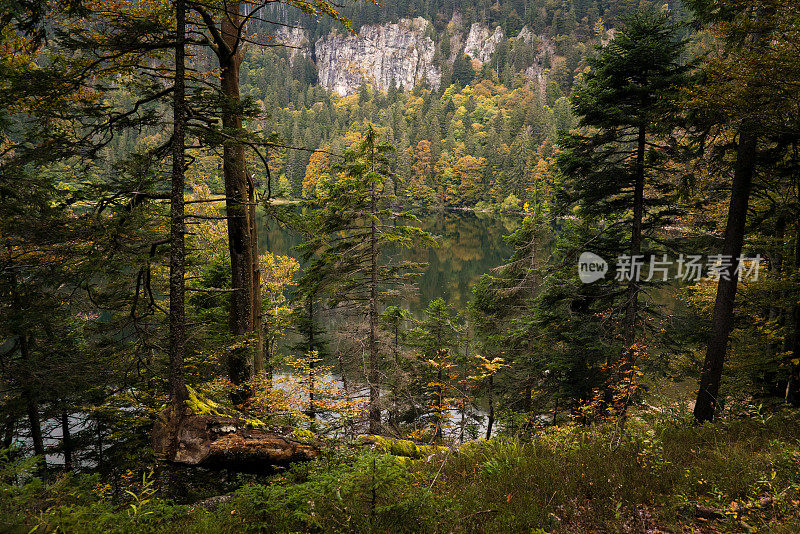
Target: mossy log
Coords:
[(399, 447), (213, 440)]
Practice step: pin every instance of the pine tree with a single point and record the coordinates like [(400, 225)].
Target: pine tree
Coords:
[(348, 235), (628, 111)]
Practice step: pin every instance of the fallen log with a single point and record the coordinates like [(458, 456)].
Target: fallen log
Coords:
[(399, 447), (214, 440)]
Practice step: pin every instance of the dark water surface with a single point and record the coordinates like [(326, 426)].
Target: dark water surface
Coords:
[(470, 244)]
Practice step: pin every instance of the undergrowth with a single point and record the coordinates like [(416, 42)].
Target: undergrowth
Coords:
[(733, 476)]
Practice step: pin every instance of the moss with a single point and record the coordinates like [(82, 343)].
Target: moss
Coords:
[(203, 406), (305, 436), (401, 447)]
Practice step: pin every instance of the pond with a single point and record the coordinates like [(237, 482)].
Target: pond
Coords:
[(469, 245)]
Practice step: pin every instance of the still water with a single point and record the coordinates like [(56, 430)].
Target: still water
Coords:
[(469, 245)]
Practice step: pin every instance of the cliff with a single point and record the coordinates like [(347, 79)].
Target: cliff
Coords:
[(481, 43), (402, 54), (380, 55)]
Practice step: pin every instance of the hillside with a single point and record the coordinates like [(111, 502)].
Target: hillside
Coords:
[(471, 96)]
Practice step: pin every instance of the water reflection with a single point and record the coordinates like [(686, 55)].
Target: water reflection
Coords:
[(470, 244)]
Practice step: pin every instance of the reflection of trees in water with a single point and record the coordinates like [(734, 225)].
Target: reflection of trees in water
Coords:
[(470, 244)]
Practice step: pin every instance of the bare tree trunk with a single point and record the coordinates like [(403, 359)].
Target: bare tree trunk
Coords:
[(8, 431), (311, 346), (31, 404), (238, 191), (555, 411), (722, 321), (36, 426), (28, 391), (490, 422), (527, 401), (99, 443), (437, 434), (177, 252), (793, 384), (259, 364)]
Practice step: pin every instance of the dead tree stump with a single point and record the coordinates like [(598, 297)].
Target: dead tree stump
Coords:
[(221, 441)]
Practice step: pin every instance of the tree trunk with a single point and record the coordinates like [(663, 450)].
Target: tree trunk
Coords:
[(99, 443), (66, 440), (793, 384), (31, 405), (632, 297), (240, 208), (177, 252), (227, 442), (28, 391), (259, 365), (437, 434), (490, 421), (8, 431), (311, 346), (374, 386), (722, 321)]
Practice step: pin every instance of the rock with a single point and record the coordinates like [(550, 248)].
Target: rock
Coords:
[(381, 55), (212, 503), (480, 43), (296, 39), (706, 512), (544, 48)]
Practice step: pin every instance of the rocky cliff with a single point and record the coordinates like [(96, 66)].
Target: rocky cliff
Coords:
[(481, 43), (402, 54), (380, 55), (295, 39)]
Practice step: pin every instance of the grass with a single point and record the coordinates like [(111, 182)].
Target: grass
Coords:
[(569, 479)]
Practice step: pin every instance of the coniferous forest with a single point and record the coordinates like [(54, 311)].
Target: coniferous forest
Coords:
[(418, 266)]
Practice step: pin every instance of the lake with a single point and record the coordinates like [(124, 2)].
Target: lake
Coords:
[(470, 244)]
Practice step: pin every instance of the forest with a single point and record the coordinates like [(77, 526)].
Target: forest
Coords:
[(422, 266)]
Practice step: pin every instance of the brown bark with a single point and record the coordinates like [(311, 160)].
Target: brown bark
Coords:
[(722, 321), (32, 407), (793, 384), (219, 441), (28, 391), (177, 253), (312, 414), (490, 395), (259, 363), (245, 306), (8, 431), (66, 441), (437, 434)]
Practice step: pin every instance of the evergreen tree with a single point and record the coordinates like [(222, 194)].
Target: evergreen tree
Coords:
[(628, 111), (350, 233)]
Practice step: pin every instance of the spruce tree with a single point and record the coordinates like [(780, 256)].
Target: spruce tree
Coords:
[(354, 242), (614, 169)]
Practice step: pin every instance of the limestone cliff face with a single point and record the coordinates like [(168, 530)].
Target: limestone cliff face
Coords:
[(295, 39), (401, 54), (380, 55), (544, 49), (481, 43)]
